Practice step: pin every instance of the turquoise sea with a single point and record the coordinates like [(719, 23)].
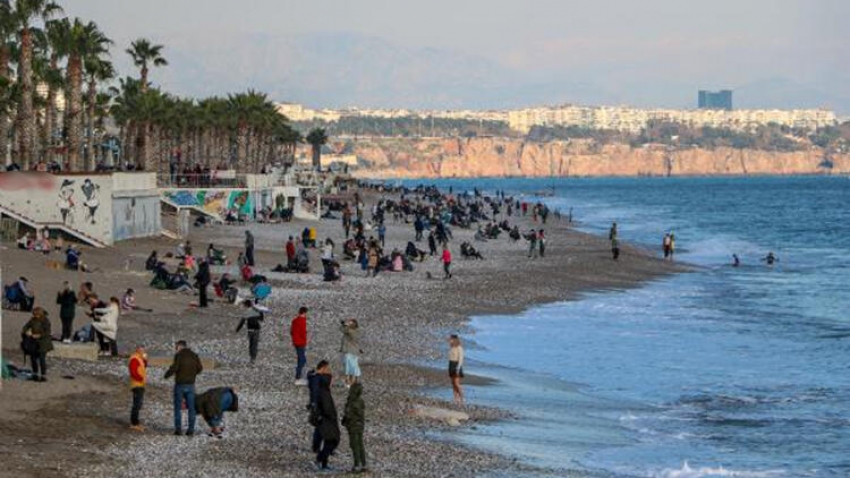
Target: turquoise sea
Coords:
[(720, 372)]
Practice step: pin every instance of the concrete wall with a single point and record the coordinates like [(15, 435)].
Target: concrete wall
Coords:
[(107, 207), (81, 201), (136, 216)]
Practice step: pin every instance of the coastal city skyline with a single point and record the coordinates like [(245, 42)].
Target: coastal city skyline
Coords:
[(782, 55)]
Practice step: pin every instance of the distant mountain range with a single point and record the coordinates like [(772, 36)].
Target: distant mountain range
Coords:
[(340, 70)]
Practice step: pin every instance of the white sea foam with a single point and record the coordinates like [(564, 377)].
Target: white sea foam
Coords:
[(707, 472)]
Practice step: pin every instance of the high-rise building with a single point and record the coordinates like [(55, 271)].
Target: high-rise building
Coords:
[(715, 100)]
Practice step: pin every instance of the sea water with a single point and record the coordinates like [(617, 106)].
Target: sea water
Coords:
[(721, 372)]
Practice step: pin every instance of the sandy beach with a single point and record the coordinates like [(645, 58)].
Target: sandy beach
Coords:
[(78, 427)]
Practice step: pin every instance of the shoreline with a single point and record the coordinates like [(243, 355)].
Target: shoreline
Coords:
[(401, 324)]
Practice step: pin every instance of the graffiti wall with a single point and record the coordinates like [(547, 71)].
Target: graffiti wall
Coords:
[(213, 201), (105, 207), (136, 216), (79, 202)]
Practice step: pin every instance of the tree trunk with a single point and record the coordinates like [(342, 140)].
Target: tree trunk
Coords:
[(317, 157), (26, 119), (4, 115), (74, 109), (90, 143), (241, 149)]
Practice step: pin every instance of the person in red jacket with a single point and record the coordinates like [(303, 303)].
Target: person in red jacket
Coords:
[(298, 332), (290, 253), (447, 261)]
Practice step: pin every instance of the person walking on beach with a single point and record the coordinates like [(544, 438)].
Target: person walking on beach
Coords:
[(612, 233), (354, 421), (350, 350), (249, 248), (253, 318), (137, 367), (456, 367), (665, 245), (447, 262), (67, 301), (298, 334), (328, 421), (185, 369), (372, 268), (37, 342), (203, 278)]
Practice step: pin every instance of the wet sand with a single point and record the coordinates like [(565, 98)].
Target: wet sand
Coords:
[(404, 317)]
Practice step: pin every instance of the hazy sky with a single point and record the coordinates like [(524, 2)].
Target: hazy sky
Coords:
[(642, 52)]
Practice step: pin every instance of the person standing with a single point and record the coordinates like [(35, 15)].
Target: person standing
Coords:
[(38, 342), (298, 334), (354, 420), (137, 366), (249, 248), (203, 278), (67, 301), (106, 326), (672, 245), (532, 244), (290, 253), (541, 241), (185, 369), (382, 234), (432, 244), (665, 245), (328, 421), (456, 367), (447, 262), (612, 233), (253, 318), (350, 349)]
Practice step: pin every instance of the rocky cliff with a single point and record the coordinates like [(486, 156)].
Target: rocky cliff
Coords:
[(498, 157)]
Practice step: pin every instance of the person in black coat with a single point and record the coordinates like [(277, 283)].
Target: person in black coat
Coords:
[(328, 421), (67, 301), (203, 278)]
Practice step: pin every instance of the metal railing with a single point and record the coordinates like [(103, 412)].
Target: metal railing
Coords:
[(213, 179)]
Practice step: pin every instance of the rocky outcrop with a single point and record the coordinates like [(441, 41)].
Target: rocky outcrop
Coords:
[(505, 157)]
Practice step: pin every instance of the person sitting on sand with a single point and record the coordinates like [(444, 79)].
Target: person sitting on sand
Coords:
[(216, 256), (86, 292), (18, 295), (128, 302), (25, 242), (414, 253), (151, 262), (213, 403)]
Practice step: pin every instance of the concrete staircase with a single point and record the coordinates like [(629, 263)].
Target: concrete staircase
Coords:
[(58, 226)]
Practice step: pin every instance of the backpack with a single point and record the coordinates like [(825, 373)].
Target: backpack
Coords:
[(11, 293), (29, 345)]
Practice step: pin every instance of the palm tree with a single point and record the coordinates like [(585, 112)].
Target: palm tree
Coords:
[(98, 70), (317, 138), (21, 16), (7, 33), (55, 81), (145, 55), (79, 42)]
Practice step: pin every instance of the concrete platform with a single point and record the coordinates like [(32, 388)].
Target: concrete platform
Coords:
[(165, 362), (76, 351)]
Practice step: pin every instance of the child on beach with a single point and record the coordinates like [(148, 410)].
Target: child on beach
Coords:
[(447, 262), (456, 367)]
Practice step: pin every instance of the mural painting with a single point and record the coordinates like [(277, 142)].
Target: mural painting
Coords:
[(92, 192), (182, 198), (66, 202), (214, 201), (241, 201)]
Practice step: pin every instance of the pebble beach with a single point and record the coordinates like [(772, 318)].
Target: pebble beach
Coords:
[(78, 427)]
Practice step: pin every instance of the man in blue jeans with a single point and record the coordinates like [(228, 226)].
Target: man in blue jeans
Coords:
[(185, 369)]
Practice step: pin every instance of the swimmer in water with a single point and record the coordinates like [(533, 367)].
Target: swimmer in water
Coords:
[(735, 261), (770, 259)]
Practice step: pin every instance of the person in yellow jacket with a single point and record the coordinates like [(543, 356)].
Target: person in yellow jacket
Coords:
[(138, 366)]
